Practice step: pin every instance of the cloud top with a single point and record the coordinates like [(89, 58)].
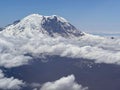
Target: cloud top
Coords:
[(16, 51), (64, 83), (10, 83)]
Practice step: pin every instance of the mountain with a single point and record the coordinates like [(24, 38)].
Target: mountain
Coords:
[(32, 56), (50, 25)]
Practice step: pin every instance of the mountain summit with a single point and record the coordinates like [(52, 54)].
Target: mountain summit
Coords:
[(51, 25)]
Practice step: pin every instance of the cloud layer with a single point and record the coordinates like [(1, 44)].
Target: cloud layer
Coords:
[(64, 83), (16, 51), (10, 83)]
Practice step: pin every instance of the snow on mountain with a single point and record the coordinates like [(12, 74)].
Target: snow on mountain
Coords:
[(41, 32), (35, 24), (37, 36)]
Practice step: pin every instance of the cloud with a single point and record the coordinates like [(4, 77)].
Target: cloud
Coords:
[(10, 55), (16, 51), (10, 83), (99, 49), (65, 83)]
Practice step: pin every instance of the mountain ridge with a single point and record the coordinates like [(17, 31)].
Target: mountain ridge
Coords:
[(51, 25)]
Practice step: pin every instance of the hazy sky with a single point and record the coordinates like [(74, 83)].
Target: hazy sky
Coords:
[(87, 15)]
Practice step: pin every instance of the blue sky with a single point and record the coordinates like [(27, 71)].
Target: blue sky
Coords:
[(87, 15)]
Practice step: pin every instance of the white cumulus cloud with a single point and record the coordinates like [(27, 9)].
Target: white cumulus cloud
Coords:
[(65, 83), (16, 51), (10, 83)]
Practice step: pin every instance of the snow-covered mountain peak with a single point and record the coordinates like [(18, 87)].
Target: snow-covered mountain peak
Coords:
[(58, 18), (34, 24), (34, 17), (38, 17)]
